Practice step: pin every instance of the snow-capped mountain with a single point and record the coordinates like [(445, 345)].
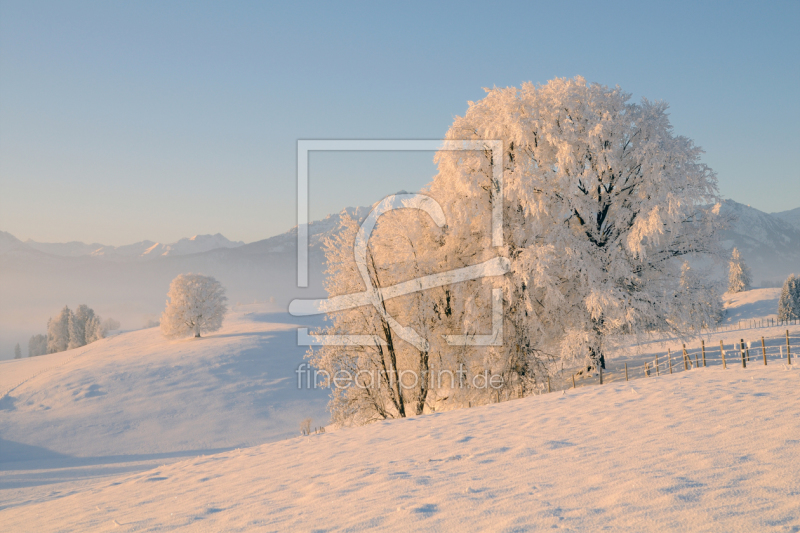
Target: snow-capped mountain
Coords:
[(192, 245), (792, 216), (318, 231), (8, 242), (64, 249), (769, 243), (141, 250)]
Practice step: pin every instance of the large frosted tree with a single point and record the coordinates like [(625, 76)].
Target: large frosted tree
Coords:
[(602, 208), (195, 305), (602, 203), (738, 273)]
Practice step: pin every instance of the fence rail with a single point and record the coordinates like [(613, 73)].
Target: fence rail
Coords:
[(752, 324), (738, 352)]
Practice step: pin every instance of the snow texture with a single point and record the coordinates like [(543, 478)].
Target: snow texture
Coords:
[(136, 400), (135, 433), (708, 450)]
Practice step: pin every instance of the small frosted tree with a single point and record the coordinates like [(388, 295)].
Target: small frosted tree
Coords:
[(789, 302), (58, 330), (77, 326), (697, 302), (17, 352), (739, 273), (109, 324), (37, 345), (195, 305)]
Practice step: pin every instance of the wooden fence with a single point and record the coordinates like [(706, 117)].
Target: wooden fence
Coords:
[(736, 352)]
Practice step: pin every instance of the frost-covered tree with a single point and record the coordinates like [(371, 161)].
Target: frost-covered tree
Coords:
[(738, 273), (37, 345), (109, 324), (17, 352), (71, 330), (697, 302), (58, 330), (789, 301), (77, 326), (602, 203), (390, 378), (195, 305)]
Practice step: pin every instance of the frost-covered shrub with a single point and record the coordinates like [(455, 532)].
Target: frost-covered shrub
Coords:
[(195, 305), (789, 302)]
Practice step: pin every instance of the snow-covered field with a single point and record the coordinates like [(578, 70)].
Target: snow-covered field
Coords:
[(137, 400), (706, 450), (136, 433)]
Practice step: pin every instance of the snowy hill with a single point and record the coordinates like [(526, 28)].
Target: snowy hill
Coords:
[(134, 399), (234, 387), (141, 433), (704, 450)]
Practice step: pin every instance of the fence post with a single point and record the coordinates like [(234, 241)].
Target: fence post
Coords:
[(741, 351), (685, 366), (548, 383), (722, 351), (788, 351), (657, 372), (601, 374), (703, 347), (669, 358), (748, 351), (646, 373), (764, 350), (626, 371), (573, 381)]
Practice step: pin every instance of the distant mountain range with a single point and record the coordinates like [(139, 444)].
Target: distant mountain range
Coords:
[(129, 283), (139, 250), (769, 243), (767, 240)]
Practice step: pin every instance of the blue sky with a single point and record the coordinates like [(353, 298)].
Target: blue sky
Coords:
[(124, 121)]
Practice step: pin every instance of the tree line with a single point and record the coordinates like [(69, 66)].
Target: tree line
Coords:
[(69, 330)]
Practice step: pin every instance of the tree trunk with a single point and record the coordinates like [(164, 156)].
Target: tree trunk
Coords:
[(197, 335), (598, 357), (424, 383)]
